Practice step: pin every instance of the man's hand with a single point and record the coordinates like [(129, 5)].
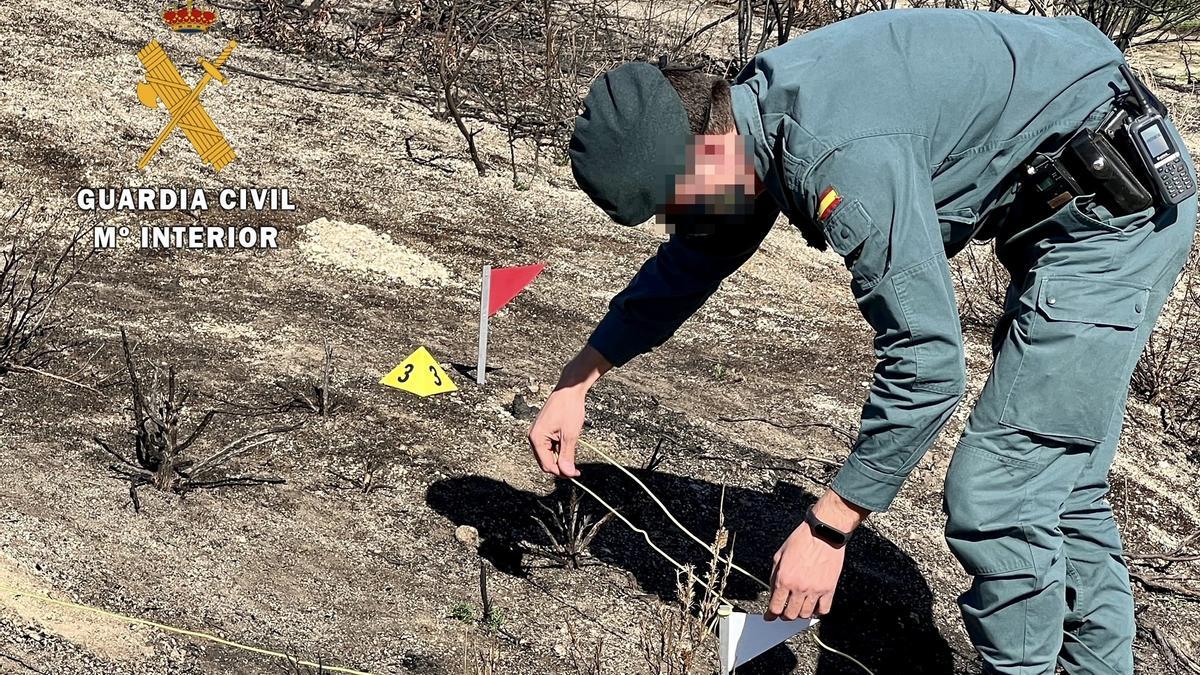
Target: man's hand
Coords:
[(556, 429), (807, 569)]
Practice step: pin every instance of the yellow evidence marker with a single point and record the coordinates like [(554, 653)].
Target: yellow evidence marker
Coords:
[(420, 374)]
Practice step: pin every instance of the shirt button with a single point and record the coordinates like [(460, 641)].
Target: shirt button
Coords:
[(1138, 308), (1052, 301)]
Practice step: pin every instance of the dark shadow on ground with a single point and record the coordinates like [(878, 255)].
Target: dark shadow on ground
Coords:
[(882, 613)]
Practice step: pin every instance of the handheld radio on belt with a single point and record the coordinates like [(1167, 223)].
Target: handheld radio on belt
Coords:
[(1161, 159), (1130, 162)]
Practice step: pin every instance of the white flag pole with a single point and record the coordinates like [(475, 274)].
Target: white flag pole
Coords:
[(485, 291)]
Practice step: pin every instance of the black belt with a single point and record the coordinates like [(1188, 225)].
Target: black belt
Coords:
[(1098, 161), (1095, 161), (1090, 162)]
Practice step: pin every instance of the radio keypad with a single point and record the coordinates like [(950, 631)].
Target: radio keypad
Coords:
[(1175, 177)]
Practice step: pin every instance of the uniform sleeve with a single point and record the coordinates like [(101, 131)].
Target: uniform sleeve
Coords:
[(885, 226), (672, 285)]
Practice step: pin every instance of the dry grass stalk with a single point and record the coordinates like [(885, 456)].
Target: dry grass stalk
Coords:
[(481, 659), (568, 528), (297, 666), (585, 660), (161, 445), (320, 400), (680, 638), (317, 397)]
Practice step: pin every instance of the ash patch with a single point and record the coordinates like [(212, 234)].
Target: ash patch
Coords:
[(362, 251)]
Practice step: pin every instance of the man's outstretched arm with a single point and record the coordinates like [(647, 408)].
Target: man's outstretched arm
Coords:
[(675, 283), (668, 289), (886, 227)]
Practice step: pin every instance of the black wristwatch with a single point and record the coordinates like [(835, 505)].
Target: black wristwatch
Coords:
[(826, 533)]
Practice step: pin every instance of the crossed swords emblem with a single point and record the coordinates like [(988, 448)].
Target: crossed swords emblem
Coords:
[(163, 83)]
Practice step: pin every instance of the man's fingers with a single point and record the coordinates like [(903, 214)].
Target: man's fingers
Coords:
[(795, 600), (566, 457), (825, 604), (806, 608), (543, 450), (779, 600)]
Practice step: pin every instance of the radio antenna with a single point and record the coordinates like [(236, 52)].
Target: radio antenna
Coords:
[(1135, 87)]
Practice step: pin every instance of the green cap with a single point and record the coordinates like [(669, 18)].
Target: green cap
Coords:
[(630, 142)]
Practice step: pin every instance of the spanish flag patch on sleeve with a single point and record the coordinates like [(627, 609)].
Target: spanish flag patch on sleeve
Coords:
[(827, 203)]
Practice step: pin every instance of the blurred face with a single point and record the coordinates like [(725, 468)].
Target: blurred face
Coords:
[(718, 187)]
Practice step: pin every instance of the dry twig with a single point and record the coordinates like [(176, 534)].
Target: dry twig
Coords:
[(847, 437), (1176, 659)]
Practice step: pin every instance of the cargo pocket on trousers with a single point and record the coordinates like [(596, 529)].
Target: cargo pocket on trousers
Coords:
[(984, 501), (1076, 360)]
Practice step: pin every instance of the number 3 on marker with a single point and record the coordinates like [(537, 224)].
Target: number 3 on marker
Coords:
[(437, 379), (411, 375)]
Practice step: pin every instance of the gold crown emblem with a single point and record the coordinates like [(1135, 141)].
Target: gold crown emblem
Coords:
[(189, 16)]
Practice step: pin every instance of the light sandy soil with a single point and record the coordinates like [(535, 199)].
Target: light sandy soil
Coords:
[(383, 256)]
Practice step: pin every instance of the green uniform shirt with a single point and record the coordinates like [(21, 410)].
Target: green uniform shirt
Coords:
[(899, 129)]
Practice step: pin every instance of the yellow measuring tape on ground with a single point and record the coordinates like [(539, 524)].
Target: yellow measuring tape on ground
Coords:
[(179, 631)]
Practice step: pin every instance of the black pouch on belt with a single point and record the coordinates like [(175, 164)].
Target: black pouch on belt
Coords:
[(1100, 168)]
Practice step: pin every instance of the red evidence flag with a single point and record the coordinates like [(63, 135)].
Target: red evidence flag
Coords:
[(507, 282)]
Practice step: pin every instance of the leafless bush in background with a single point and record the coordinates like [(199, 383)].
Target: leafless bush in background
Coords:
[(1130, 21), (527, 65), (341, 28), (161, 442), (534, 89), (1127, 22), (1168, 373), (34, 271), (980, 283)]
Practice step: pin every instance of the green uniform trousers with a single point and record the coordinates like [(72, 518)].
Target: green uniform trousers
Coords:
[(1025, 498)]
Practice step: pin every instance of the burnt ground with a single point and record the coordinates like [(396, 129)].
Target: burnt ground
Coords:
[(314, 567)]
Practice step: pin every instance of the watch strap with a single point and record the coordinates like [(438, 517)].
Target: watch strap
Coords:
[(825, 531)]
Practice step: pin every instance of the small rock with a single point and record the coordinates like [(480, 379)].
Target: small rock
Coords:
[(468, 535), (521, 409)]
